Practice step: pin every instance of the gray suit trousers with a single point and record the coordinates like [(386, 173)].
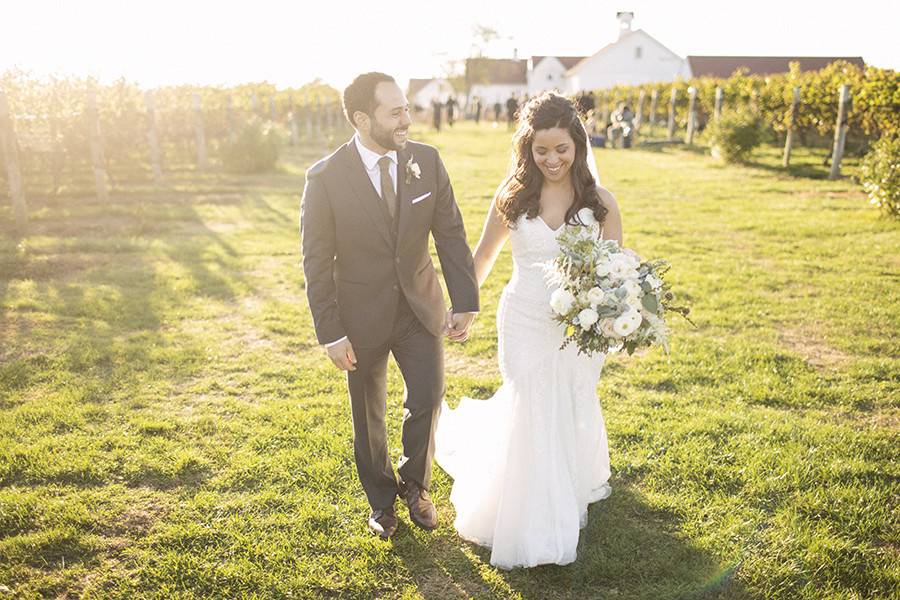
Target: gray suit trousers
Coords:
[(420, 356)]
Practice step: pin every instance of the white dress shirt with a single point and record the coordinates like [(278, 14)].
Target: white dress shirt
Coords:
[(370, 162)]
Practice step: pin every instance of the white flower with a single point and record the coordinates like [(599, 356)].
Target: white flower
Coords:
[(561, 301), (607, 329), (634, 303), (654, 281), (596, 296), (603, 268), (621, 266), (627, 323), (412, 170), (584, 299), (632, 287), (632, 255), (587, 317)]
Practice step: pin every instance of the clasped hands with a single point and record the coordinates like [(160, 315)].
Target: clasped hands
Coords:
[(456, 325), (456, 328)]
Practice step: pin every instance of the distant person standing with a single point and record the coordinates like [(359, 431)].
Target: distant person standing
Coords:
[(512, 108), (451, 105), (476, 106), (498, 108), (436, 110)]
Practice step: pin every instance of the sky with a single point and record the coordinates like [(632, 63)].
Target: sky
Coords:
[(292, 42)]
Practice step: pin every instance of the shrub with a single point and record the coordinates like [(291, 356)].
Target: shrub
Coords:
[(736, 134), (253, 149), (881, 175)]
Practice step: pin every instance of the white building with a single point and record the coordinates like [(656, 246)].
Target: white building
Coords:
[(635, 58), (422, 92), (548, 72), (494, 80)]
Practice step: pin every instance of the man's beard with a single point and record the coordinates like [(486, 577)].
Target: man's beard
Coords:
[(385, 137)]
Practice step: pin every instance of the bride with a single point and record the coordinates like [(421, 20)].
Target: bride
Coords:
[(527, 462)]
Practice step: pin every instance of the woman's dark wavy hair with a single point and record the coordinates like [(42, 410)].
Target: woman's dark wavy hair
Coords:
[(521, 191)]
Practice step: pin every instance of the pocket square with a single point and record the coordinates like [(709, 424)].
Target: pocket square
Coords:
[(420, 198)]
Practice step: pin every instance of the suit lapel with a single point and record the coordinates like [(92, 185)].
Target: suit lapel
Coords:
[(365, 194), (402, 193)]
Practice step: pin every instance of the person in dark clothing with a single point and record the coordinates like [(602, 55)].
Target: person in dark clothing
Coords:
[(477, 108), (436, 109), (498, 108), (512, 109), (451, 105)]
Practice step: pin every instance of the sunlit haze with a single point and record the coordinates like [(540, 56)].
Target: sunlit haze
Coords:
[(290, 43)]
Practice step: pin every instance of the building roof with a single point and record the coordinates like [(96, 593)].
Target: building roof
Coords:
[(724, 66), (415, 85), (501, 71), (567, 61), (639, 32)]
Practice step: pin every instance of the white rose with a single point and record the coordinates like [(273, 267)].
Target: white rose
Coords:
[(620, 266), (603, 268), (627, 323), (596, 296), (632, 287), (587, 317), (561, 301), (607, 329)]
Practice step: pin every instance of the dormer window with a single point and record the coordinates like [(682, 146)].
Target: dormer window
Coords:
[(637, 52)]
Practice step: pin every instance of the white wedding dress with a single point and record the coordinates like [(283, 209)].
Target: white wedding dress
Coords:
[(527, 462)]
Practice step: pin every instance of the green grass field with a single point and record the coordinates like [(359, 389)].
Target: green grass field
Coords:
[(168, 426)]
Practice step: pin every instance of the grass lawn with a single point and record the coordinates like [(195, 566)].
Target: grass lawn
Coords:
[(168, 426)]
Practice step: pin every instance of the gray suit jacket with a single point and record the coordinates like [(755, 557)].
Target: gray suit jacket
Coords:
[(356, 262)]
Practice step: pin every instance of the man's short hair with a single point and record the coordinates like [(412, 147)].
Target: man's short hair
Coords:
[(360, 94)]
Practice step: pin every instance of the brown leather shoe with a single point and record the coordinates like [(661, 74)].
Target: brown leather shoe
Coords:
[(383, 522), (421, 509)]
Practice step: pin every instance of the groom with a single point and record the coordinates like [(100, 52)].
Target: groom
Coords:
[(365, 220)]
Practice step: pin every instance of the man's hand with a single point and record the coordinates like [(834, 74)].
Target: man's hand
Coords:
[(342, 355), (456, 326)]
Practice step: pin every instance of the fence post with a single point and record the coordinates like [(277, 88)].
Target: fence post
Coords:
[(295, 124), (98, 160), (792, 121), (229, 116), (202, 160), (840, 133), (318, 119), (604, 110), (720, 94), (674, 95), (638, 119), (692, 116), (153, 136), (56, 160), (654, 106), (9, 146)]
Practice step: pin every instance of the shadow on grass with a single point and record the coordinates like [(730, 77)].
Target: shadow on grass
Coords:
[(805, 170), (627, 550)]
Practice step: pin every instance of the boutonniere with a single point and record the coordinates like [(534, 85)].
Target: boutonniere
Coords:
[(412, 170)]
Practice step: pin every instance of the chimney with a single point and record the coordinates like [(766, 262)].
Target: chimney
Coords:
[(624, 23)]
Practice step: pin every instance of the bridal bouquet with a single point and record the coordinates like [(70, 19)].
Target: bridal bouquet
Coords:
[(605, 296)]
